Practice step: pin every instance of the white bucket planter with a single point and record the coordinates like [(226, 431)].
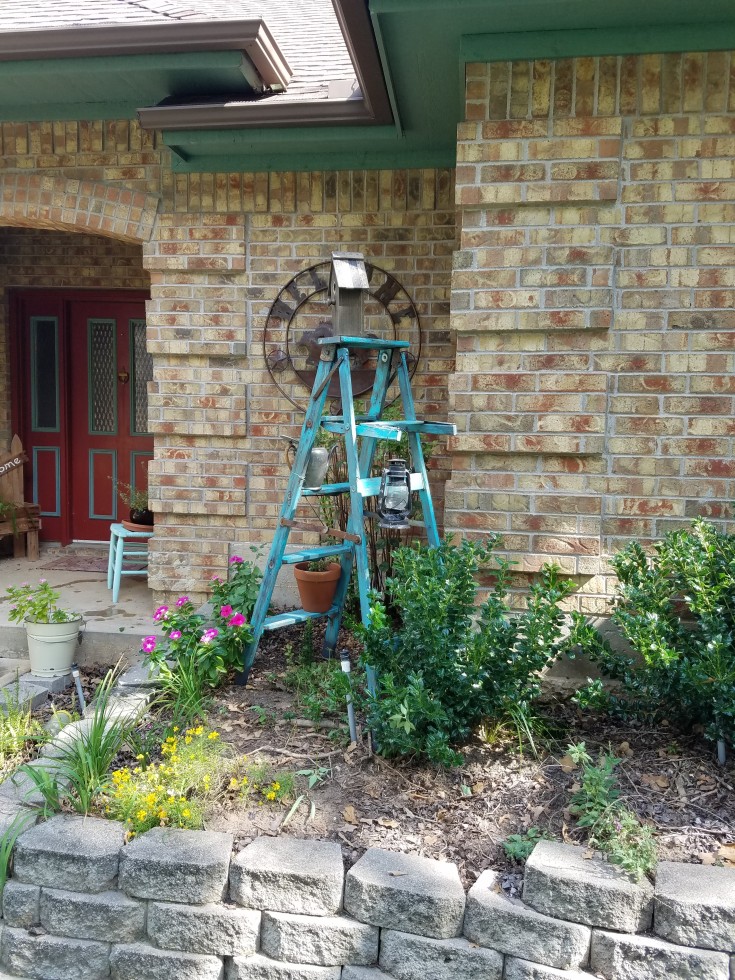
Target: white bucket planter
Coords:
[(52, 646)]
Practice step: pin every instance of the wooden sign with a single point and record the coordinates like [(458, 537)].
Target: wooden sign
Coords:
[(8, 463)]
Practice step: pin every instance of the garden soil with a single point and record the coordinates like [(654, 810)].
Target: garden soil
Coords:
[(669, 778)]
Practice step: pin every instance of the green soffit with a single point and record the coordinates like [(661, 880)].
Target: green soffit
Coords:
[(424, 46)]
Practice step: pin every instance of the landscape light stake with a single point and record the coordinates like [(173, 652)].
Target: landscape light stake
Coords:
[(345, 662)]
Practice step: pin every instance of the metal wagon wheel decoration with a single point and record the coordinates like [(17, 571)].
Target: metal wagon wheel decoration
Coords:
[(301, 314)]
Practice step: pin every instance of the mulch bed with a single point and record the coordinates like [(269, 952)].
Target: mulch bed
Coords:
[(669, 778)]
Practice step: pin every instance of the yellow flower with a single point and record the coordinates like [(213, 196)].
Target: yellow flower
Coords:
[(270, 796), (198, 730), (140, 757), (212, 736), (162, 814), (186, 813), (276, 786), (175, 728), (188, 739), (233, 783), (141, 815), (245, 780), (137, 771)]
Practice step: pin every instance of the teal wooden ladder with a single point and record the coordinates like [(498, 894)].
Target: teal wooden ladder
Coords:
[(369, 428)]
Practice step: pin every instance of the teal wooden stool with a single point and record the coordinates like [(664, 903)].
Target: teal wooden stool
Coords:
[(128, 556)]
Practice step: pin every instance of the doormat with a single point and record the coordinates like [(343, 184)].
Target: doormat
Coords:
[(77, 563)]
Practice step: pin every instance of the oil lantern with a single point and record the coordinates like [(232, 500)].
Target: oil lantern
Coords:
[(394, 499)]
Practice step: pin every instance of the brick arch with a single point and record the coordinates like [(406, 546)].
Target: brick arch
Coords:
[(63, 204)]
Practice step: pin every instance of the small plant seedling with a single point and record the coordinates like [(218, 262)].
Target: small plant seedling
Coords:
[(315, 776), (519, 847)]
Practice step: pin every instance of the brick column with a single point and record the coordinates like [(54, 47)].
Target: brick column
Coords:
[(592, 303)]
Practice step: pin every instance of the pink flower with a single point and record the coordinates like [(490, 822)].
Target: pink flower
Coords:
[(216, 578), (42, 581), (148, 644), (175, 635), (226, 611), (182, 601), (237, 620), (160, 613), (209, 635), (236, 560)]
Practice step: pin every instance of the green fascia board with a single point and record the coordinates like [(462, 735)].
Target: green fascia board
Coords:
[(84, 88), (288, 157), (658, 38)]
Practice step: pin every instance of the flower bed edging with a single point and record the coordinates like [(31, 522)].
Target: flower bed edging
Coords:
[(188, 890)]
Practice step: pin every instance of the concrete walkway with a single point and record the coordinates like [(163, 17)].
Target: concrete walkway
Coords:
[(111, 631)]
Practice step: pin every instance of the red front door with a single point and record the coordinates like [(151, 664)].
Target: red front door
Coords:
[(81, 406)]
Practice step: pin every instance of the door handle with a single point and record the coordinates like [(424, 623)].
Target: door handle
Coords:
[(123, 377)]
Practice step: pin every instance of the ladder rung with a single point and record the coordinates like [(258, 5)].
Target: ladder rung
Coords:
[(312, 554), (370, 487), (428, 428), (367, 343), (379, 430), (293, 617), (328, 490), (337, 427)]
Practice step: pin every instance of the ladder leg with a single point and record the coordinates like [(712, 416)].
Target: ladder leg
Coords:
[(291, 501), (417, 454), (355, 521)]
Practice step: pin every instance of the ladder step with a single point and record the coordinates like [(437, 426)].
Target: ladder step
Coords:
[(312, 554), (370, 487), (366, 343), (293, 617), (328, 490)]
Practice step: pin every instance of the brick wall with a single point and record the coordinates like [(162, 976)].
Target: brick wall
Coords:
[(216, 249), (592, 301), (226, 244)]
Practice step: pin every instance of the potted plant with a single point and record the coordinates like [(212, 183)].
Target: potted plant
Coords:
[(141, 518), (52, 632), (317, 583)]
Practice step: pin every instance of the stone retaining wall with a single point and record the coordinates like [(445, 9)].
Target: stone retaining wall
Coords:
[(83, 905)]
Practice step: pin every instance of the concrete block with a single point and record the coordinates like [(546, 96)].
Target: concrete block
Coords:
[(285, 874), (53, 957), (493, 920), (47, 685), (16, 816), (107, 916), (125, 706), (620, 957), (406, 892), (260, 967), (516, 969), (359, 973), (172, 865), (21, 904), (409, 957), (214, 929), (323, 940), (137, 961), (80, 852), (138, 676), (695, 905), (20, 789), (561, 882)]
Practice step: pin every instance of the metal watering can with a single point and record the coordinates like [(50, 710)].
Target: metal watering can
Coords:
[(317, 464)]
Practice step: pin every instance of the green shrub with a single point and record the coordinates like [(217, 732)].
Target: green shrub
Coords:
[(448, 665), (676, 608)]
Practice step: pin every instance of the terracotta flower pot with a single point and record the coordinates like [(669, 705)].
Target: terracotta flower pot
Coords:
[(316, 589)]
